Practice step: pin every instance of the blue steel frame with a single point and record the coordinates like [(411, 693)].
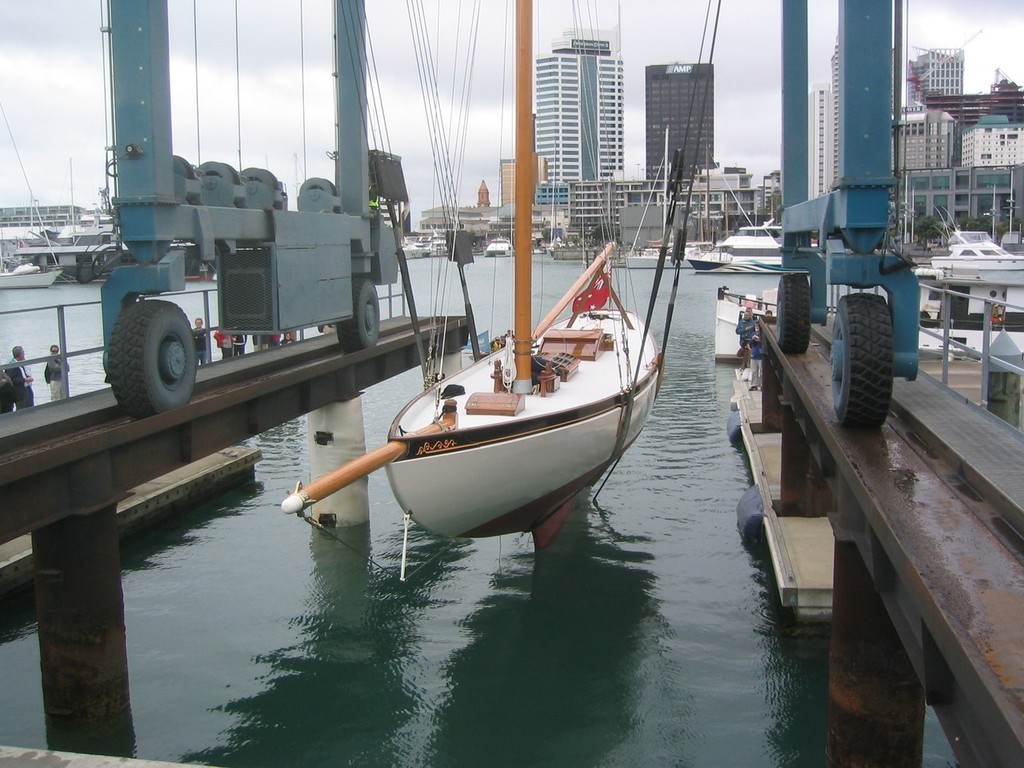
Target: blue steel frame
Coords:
[(851, 220)]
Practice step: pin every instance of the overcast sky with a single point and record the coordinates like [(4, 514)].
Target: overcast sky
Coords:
[(51, 85)]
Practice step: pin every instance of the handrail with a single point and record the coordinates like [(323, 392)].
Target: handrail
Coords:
[(392, 304)]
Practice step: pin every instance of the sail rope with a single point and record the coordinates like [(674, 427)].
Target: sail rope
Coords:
[(368, 558), (680, 180), (447, 129)]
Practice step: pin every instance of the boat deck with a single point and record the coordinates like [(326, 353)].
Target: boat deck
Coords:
[(595, 379)]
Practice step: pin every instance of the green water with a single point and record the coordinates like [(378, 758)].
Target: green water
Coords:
[(647, 635)]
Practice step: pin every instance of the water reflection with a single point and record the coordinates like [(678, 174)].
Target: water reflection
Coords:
[(486, 643), (549, 672)]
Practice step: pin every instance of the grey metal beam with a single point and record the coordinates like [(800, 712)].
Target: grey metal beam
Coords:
[(84, 454)]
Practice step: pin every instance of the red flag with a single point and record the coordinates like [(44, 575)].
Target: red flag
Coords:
[(594, 296)]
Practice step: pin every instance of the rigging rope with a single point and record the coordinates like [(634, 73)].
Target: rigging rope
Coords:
[(679, 245)]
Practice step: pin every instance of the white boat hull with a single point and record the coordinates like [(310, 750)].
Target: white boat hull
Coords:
[(737, 264), (505, 474), (28, 279)]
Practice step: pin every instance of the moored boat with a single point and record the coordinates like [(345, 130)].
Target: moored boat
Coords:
[(80, 250), (751, 249), (28, 276), (647, 258), (498, 247), (975, 254)]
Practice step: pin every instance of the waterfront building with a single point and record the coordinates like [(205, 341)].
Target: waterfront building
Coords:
[(508, 177), (770, 196), (38, 217), (487, 222), (835, 110), (993, 141), (723, 200), (820, 168), (927, 138), (681, 99), (960, 193), (580, 107), (1005, 97)]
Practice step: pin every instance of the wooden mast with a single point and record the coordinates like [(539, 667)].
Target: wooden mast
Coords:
[(523, 198)]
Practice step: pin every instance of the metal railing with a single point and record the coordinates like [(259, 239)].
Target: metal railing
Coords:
[(84, 343)]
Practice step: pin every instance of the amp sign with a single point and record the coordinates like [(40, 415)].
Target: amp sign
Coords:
[(679, 69)]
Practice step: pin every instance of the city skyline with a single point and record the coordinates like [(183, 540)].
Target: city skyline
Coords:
[(57, 118)]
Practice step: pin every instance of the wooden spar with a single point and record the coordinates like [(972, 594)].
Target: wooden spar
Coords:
[(363, 465), (599, 261), (524, 190)]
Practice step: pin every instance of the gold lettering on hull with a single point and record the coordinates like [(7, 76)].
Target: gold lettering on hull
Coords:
[(437, 445)]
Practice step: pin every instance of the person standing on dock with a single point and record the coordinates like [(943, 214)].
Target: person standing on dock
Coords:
[(53, 373), (745, 329), (238, 344), (225, 343), (6, 392), (201, 342), (21, 378), (755, 362)]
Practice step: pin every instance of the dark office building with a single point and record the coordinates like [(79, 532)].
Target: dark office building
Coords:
[(680, 97)]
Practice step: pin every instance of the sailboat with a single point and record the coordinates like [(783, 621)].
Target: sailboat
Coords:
[(505, 444)]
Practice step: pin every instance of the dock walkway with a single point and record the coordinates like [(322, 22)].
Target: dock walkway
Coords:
[(800, 547)]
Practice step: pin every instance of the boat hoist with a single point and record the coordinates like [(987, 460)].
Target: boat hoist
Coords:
[(875, 336), (277, 269)]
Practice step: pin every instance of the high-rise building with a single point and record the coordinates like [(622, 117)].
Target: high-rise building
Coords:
[(508, 177), (926, 139), (580, 107), (820, 168), (935, 72), (681, 99)]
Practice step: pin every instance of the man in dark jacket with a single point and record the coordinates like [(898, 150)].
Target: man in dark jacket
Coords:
[(53, 373), (22, 380), (745, 329)]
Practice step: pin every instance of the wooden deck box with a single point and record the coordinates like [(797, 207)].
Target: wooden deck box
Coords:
[(495, 404)]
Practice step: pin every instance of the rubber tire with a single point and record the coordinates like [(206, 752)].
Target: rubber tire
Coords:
[(151, 361), (362, 330), (862, 361), (793, 324)]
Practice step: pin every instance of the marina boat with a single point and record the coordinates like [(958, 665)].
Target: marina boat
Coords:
[(81, 250), (416, 248), (424, 246), (503, 445), (729, 307), (977, 279), (647, 258), (28, 276), (975, 254), (751, 249), (498, 247)]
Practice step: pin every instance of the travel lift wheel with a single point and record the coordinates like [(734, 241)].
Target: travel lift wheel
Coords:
[(362, 330), (793, 323), (151, 360), (862, 360)]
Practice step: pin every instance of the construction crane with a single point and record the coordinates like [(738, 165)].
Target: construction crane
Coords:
[(915, 77)]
